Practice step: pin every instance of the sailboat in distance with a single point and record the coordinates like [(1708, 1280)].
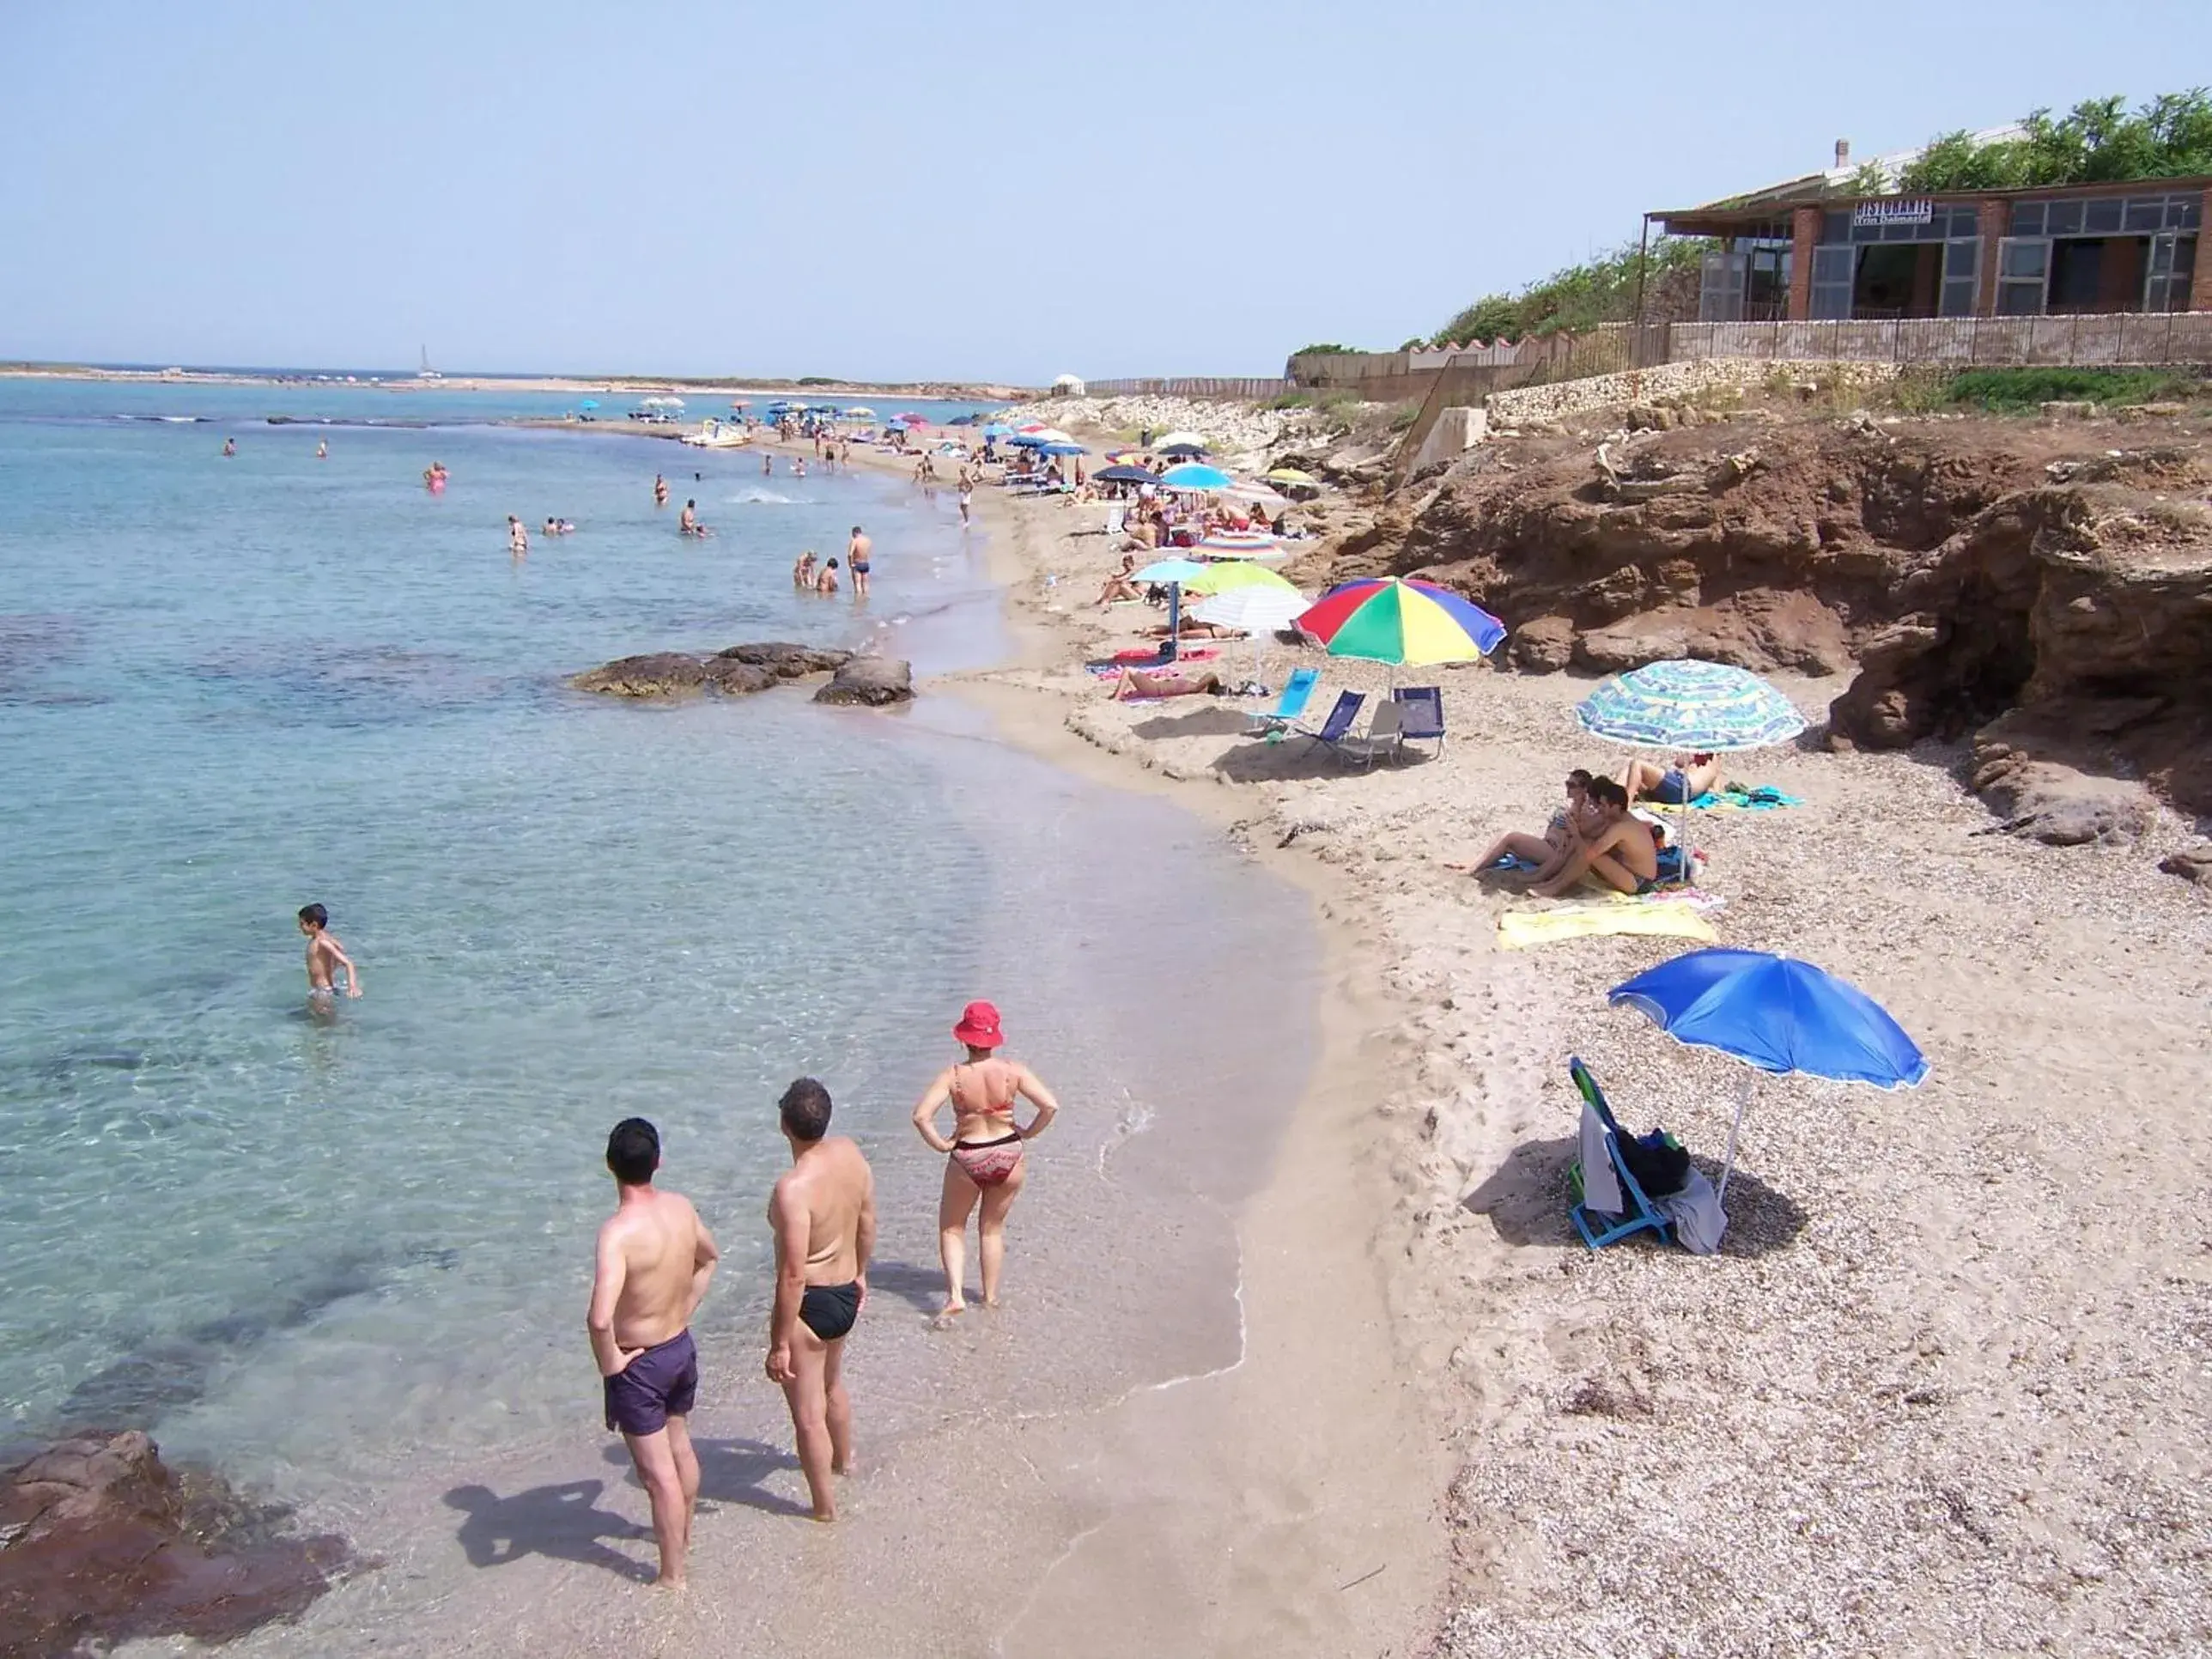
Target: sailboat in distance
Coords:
[(427, 373)]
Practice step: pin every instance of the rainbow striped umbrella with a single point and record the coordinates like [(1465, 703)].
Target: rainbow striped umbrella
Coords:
[(1390, 619)]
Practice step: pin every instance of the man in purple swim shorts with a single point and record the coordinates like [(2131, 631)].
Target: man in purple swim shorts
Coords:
[(655, 1257)]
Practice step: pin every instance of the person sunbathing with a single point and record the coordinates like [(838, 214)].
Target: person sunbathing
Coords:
[(1622, 854), (1579, 819), (1118, 586), (1135, 683), (1191, 628), (1691, 776)]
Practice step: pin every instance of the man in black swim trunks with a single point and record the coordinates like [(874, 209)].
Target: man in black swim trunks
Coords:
[(858, 553), (823, 1215), (655, 1257)]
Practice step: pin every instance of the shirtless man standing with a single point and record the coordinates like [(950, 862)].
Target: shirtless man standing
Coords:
[(856, 560), (659, 491), (823, 1215), (984, 1160), (654, 1260)]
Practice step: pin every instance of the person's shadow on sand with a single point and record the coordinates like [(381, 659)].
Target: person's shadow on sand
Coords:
[(922, 1288), (731, 1472), (563, 1521)]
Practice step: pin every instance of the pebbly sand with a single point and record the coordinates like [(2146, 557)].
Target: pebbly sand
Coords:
[(1947, 1388)]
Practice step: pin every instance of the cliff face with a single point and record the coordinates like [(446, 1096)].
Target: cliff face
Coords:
[(2030, 582)]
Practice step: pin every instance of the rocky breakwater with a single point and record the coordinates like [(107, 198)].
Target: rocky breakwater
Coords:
[(742, 669), (101, 1541), (1240, 433)]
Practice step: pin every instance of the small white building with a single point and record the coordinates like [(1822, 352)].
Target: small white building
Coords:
[(1067, 385)]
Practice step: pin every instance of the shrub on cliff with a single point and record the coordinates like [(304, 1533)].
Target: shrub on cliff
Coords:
[(1600, 290)]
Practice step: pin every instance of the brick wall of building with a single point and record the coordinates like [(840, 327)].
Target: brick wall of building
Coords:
[(1804, 237)]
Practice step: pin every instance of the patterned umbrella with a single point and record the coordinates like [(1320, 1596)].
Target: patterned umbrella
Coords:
[(1706, 707), (1390, 619)]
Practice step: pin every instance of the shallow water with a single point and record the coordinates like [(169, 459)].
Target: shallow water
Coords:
[(345, 1257)]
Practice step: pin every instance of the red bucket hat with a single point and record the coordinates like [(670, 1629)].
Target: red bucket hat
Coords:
[(979, 1026)]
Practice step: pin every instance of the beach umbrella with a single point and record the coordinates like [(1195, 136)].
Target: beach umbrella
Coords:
[(1194, 476), (1291, 475), (589, 402), (1122, 475), (1175, 442), (1777, 1014), (1026, 441), (1240, 545), (997, 430), (862, 413), (1175, 571), (1394, 620), (1036, 426), (1063, 449), (1230, 575), (1703, 706), (1698, 706), (1256, 610)]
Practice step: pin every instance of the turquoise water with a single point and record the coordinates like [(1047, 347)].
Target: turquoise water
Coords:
[(344, 1252)]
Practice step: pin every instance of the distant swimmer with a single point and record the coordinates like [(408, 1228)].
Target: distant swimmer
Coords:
[(983, 1159), (767, 466), (518, 538), (799, 468), (687, 522), (655, 1258), (802, 573), (434, 477), (325, 957), (230, 446), (857, 555), (827, 581), (322, 449), (822, 1213), (967, 495), (659, 491)]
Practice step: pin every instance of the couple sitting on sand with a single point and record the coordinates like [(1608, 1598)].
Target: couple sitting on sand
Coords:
[(655, 1258), (1597, 835)]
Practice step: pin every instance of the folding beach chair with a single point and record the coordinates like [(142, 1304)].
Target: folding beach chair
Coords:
[(1380, 738), (1298, 692), (1420, 714), (1598, 1224), (1335, 729)]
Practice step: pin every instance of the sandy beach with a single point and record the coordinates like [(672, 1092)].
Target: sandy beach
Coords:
[(1943, 1389)]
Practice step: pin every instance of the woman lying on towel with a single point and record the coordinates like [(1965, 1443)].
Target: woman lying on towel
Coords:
[(1135, 684), (1191, 629)]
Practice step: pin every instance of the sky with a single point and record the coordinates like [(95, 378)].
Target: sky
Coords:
[(918, 190)]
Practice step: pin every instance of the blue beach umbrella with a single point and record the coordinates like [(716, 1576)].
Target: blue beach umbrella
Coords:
[(1702, 706), (1194, 476), (1777, 1014), (1171, 570), (1063, 449), (589, 402), (996, 430)]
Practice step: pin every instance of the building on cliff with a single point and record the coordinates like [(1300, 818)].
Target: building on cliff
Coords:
[(1811, 250)]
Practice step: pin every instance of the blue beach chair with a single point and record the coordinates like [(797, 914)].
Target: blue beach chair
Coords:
[(1338, 726), (1421, 714), (1298, 692), (1598, 1228)]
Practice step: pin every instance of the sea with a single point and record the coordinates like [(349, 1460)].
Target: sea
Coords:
[(342, 1255)]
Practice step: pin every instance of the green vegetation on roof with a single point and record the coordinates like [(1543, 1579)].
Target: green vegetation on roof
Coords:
[(1599, 290), (2099, 141)]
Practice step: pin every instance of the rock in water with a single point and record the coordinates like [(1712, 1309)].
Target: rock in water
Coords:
[(874, 681), (787, 661), (660, 674), (101, 1541)]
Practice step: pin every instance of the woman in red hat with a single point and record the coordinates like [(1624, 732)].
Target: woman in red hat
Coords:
[(983, 1159)]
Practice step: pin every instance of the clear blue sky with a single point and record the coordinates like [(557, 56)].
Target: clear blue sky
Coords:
[(917, 190)]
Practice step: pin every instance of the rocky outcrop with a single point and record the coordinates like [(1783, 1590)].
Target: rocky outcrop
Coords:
[(100, 1541), (2192, 863), (873, 681), (736, 671)]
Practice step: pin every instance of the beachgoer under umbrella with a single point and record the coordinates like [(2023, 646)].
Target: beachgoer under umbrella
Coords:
[(983, 1162)]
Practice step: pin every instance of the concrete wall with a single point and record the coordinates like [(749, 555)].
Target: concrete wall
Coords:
[(1958, 342)]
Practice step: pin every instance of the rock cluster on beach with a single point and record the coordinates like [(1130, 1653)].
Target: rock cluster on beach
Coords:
[(1240, 433), (1963, 572), (101, 1541)]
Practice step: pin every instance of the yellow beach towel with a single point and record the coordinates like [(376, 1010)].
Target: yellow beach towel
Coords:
[(1519, 929)]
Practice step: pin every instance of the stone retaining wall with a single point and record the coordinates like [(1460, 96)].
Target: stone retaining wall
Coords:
[(1669, 382)]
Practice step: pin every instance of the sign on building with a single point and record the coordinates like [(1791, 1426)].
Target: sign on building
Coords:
[(1894, 211)]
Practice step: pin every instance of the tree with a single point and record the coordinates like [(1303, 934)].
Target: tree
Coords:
[(2098, 141)]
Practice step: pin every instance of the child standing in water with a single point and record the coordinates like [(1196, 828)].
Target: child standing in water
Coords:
[(324, 956)]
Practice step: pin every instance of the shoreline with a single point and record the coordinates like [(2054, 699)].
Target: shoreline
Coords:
[(922, 390)]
